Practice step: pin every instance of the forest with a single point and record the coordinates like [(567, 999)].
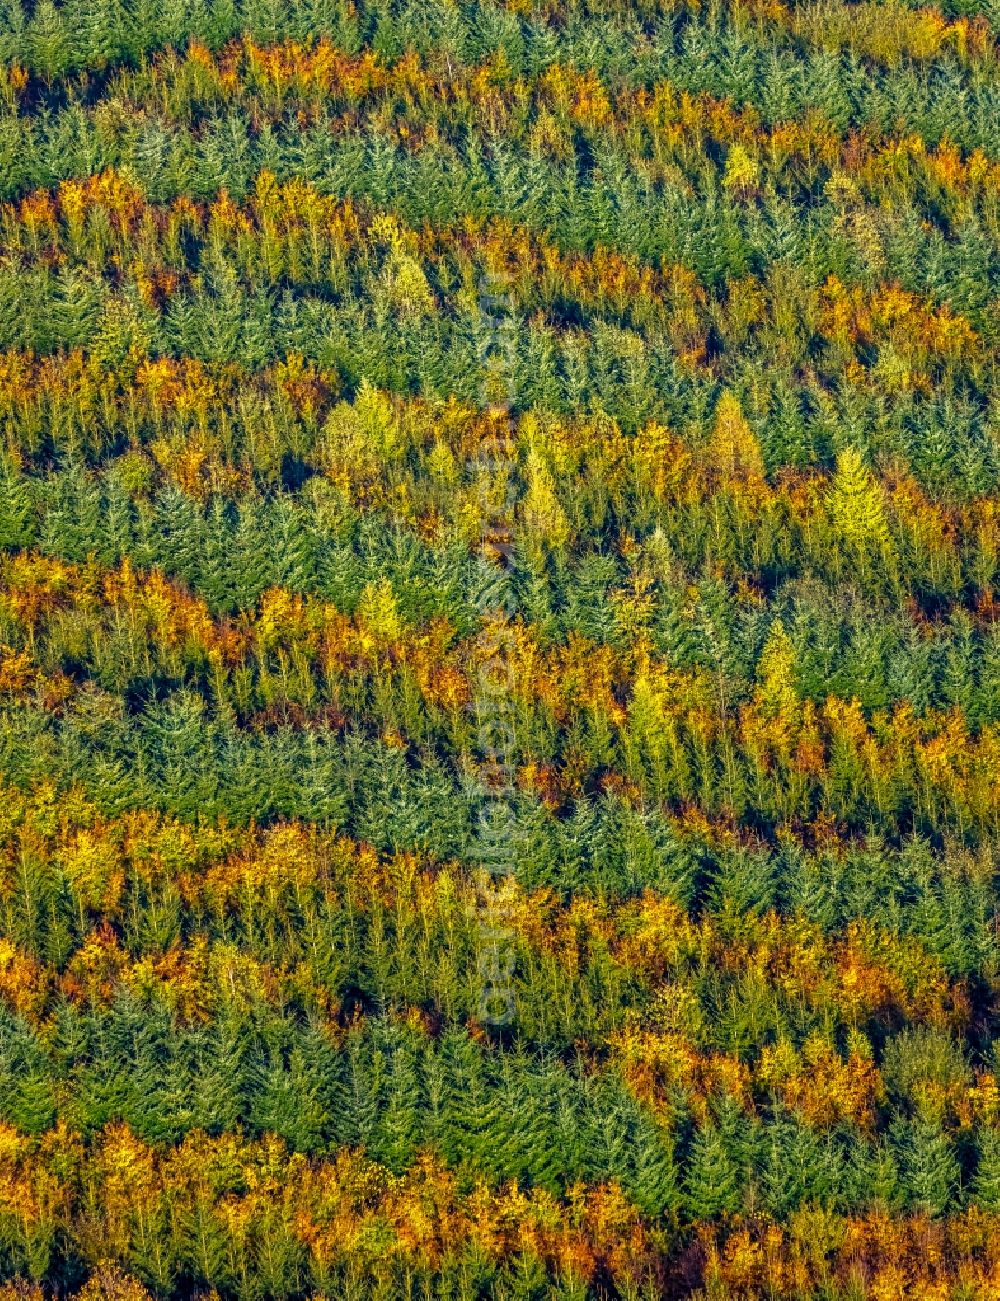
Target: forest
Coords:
[(499, 650)]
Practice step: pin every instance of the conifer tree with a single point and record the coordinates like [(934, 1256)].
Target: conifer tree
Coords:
[(289, 1103), (17, 514), (400, 1131), (856, 504), (800, 1168), (776, 692), (218, 1070), (49, 43), (986, 1182), (875, 1181), (654, 1178), (31, 1104), (930, 1167), (713, 1184)]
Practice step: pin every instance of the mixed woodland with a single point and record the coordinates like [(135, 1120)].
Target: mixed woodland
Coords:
[(721, 278)]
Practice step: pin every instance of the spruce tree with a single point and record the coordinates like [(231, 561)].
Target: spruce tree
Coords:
[(287, 1102), (653, 1184), (930, 1167), (874, 1182), (801, 1167), (986, 1182), (218, 1074), (18, 519), (400, 1131), (713, 1183), (31, 1103)]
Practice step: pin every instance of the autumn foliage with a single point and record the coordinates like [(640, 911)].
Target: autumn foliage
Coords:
[(531, 431)]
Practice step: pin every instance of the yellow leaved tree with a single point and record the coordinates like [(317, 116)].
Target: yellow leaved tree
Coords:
[(403, 285), (543, 515), (742, 172), (776, 696), (359, 438), (733, 448), (856, 502)]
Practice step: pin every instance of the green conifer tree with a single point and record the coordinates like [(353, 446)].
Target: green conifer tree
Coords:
[(931, 1170), (986, 1182), (713, 1183)]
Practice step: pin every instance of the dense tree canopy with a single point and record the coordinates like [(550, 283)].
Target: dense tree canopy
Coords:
[(499, 650)]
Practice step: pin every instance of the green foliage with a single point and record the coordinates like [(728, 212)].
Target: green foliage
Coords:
[(340, 342)]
